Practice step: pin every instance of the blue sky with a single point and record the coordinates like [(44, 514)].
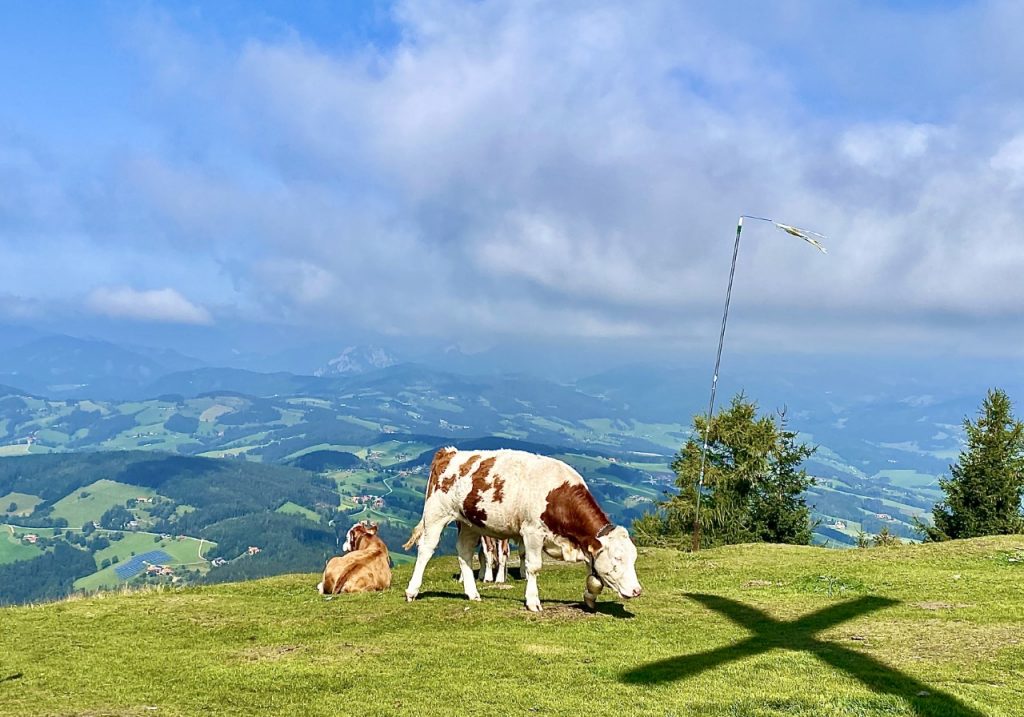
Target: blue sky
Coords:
[(483, 172)]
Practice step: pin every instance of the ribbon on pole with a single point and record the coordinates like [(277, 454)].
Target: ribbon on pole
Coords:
[(809, 237)]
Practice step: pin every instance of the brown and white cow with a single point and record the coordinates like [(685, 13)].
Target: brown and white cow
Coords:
[(365, 568), (541, 501)]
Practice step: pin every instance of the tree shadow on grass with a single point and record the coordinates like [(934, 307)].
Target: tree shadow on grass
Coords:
[(769, 634)]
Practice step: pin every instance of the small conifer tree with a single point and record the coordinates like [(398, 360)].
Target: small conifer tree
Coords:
[(753, 486), (983, 492)]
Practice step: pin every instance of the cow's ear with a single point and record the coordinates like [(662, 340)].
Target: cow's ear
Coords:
[(595, 546), (371, 528)]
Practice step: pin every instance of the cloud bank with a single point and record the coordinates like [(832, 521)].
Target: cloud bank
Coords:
[(163, 305), (571, 169)]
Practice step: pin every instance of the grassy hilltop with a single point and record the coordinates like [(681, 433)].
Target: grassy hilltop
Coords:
[(926, 630)]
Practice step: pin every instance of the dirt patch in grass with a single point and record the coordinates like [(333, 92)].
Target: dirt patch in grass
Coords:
[(758, 584), (831, 585), (543, 650), (933, 639), (1011, 557), (937, 605), (269, 653), (132, 711), (564, 612)]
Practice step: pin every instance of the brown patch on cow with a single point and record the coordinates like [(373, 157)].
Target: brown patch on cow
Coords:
[(446, 483), (471, 505), (572, 513), (480, 476), (499, 489), (438, 466), (468, 465)]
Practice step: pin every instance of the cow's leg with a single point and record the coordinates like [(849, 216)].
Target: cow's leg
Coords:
[(487, 564), (466, 545), (501, 550), (458, 527), (481, 551), (533, 546), (428, 544)]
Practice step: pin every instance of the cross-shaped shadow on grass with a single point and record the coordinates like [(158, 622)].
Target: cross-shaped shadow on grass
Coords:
[(801, 634)]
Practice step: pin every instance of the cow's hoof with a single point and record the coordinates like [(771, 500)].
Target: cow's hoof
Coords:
[(410, 597), (475, 598), (590, 601), (534, 608)]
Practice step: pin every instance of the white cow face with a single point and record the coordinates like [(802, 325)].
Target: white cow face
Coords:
[(347, 546), (356, 532), (615, 563)]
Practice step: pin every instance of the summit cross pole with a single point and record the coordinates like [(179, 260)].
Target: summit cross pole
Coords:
[(812, 239)]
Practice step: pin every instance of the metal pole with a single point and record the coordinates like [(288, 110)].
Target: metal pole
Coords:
[(714, 387)]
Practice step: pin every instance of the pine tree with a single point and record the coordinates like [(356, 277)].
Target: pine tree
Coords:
[(753, 483), (983, 492)]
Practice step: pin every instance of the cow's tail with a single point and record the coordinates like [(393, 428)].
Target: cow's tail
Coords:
[(417, 532)]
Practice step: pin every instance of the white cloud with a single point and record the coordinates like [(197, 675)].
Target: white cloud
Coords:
[(524, 168), (887, 148), (162, 305), (1009, 160)]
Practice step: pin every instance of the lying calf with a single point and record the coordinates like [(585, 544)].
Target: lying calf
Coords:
[(365, 568)]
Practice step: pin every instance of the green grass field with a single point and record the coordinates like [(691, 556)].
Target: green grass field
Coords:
[(296, 509), (910, 479), (916, 631), (16, 449), (183, 552), (101, 496), (25, 503), (13, 549)]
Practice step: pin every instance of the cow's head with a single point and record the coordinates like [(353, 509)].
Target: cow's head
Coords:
[(357, 534), (614, 561)]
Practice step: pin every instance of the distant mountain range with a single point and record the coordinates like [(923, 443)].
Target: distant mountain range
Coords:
[(61, 366), (864, 413), (356, 360), (66, 366), (885, 429)]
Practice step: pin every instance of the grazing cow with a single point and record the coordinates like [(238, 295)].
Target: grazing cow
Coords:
[(366, 567), (541, 501)]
